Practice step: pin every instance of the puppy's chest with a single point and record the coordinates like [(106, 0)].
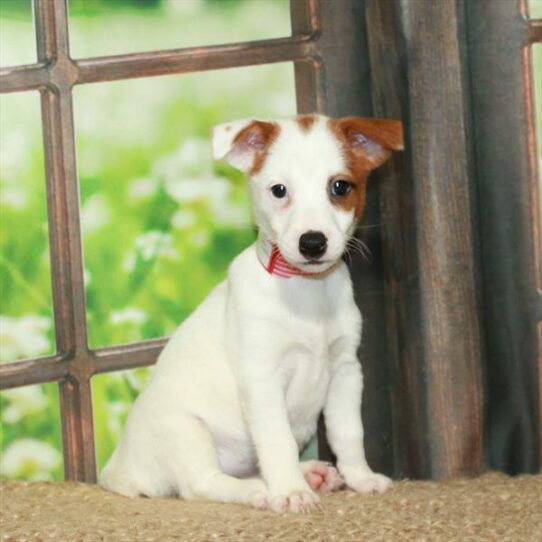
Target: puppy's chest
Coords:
[(306, 374), (306, 360)]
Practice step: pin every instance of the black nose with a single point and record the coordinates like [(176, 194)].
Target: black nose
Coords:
[(313, 244)]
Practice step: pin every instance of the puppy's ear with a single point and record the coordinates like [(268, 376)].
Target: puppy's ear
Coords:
[(244, 143), (371, 140)]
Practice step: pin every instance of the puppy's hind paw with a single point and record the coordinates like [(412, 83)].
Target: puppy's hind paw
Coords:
[(321, 476)]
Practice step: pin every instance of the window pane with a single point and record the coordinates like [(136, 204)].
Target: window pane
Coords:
[(101, 27), (17, 37), (113, 395), (535, 9), (31, 436), (26, 323), (161, 222)]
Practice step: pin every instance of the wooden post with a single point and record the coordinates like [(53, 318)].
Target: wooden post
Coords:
[(430, 243)]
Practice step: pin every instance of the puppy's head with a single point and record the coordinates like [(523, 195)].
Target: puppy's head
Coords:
[(308, 178)]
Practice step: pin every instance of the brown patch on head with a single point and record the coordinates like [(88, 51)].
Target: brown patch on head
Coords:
[(355, 199), (366, 144), (305, 122), (256, 138)]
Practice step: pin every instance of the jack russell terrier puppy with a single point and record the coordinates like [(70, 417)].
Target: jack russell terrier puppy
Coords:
[(238, 389)]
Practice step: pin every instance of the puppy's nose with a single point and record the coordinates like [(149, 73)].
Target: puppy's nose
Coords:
[(313, 244)]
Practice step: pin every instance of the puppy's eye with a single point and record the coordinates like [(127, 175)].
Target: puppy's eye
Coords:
[(340, 188), (278, 190)]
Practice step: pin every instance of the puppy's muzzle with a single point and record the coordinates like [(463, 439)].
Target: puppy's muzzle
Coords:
[(313, 245)]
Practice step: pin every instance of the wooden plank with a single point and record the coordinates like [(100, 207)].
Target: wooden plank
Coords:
[(192, 59), (429, 241), (33, 371), (127, 356), (400, 261)]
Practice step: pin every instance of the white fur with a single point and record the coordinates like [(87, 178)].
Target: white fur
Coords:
[(238, 389)]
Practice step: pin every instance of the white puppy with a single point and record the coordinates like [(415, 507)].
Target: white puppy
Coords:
[(238, 389)]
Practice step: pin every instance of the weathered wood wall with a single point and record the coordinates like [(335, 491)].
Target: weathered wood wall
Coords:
[(451, 350)]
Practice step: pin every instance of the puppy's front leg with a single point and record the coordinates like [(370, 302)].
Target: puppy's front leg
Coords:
[(264, 403), (345, 429)]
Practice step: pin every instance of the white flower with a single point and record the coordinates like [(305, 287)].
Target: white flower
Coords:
[(153, 244), (193, 189), (200, 238), (186, 7), (23, 401), (14, 165), (183, 219), (192, 157), (14, 196), (149, 245), (29, 458), (87, 276), (142, 188), (23, 337), (129, 315), (230, 214), (95, 213), (14, 156), (129, 262)]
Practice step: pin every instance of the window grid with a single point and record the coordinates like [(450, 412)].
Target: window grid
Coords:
[(54, 75)]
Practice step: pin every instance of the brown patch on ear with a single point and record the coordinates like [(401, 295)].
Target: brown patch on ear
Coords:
[(387, 133), (305, 122), (371, 140), (366, 144), (256, 138)]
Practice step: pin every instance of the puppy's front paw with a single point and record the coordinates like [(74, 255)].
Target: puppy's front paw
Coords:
[(321, 476), (367, 482), (260, 500), (299, 502)]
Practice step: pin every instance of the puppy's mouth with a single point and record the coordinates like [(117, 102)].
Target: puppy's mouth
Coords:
[(316, 262), (314, 266)]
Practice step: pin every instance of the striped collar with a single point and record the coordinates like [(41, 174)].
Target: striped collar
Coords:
[(274, 263)]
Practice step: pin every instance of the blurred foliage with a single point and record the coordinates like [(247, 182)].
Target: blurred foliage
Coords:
[(160, 221)]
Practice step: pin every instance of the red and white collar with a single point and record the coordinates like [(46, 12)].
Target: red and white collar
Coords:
[(275, 264)]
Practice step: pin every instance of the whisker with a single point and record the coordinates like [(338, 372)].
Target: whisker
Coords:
[(360, 247)]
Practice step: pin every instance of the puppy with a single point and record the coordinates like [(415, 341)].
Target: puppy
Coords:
[(238, 389)]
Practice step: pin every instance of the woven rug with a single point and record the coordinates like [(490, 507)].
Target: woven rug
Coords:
[(490, 508)]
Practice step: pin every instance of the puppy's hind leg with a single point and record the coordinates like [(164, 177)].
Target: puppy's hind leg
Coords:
[(197, 471)]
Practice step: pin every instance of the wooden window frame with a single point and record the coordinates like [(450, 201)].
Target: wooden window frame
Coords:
[(358, 57), (54, 75)]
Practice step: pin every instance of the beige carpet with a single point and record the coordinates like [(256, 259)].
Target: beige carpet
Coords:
[(490, 508)]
